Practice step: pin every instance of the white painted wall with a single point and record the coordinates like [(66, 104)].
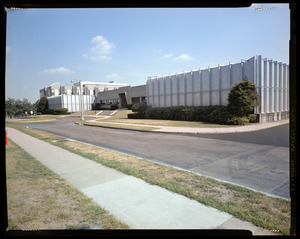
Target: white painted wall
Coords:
[(211, 86), (72, 102)]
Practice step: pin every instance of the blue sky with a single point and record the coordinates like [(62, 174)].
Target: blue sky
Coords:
[(44, 46)]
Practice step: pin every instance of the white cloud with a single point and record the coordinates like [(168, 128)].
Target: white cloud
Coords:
[(58, 70), (183, 57), (112, 76), (101, 49), (8, 49), (168, 55)]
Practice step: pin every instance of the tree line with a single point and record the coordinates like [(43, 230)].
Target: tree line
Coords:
[(18, 108)]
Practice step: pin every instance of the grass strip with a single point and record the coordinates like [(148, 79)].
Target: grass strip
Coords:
[(121, 117), (39, 199), (28, 120), (257, 208)]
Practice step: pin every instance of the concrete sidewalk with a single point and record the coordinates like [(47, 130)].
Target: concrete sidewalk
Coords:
[(131, 200)]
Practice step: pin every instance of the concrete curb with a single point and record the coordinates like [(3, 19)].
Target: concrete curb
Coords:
[(185, 130), (108, 127)]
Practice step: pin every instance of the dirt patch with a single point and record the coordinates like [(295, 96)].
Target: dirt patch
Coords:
[(225, 194)]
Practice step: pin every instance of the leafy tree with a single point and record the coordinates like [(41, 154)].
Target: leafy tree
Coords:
[(10, 107), (242, 98), (41, 104), (18, 107)]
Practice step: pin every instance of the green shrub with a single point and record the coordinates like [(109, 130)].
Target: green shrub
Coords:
[(48, 111), (136, 116), (187, 113), (201, 113), (253, 118), (235, 120), (219, 115), (96, 106), (154, 113), (129, 106), (139, 108), (61, 111), (114, 106), (99, 106), (216, 114), (164, 113)]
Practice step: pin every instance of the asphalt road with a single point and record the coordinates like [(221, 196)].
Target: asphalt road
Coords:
[(276, 136), (258, 160)]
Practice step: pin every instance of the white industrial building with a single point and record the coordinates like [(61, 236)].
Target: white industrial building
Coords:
[(69, 96), (87, 88), (211, 86), (201, 87), (72, 102)]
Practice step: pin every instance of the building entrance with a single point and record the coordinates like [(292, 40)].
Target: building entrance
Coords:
[(123, 100)]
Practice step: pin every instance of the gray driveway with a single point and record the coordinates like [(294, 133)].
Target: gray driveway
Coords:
[(258, 160)]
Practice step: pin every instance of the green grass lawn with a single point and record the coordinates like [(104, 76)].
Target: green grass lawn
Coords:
[(121, 117), (38, 199), (36, 119)]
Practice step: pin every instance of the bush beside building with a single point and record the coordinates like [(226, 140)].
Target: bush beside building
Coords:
[(216, 114), (242, 99)]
